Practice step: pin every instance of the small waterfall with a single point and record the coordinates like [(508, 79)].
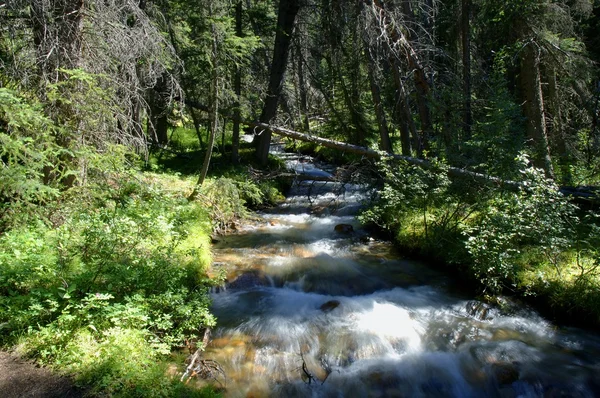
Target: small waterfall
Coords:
[(310, 311)]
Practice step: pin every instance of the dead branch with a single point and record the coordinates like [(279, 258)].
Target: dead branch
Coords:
[(207, 369)]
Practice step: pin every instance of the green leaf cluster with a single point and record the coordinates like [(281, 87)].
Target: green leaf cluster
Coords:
[(109, 293)]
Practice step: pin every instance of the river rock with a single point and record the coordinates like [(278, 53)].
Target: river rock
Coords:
[(344, 228), (329, 306), (480, 310), (505, 372), (249, 279)]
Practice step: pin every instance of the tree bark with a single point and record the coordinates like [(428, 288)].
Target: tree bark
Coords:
[(466, 57), (404, 117), (214, 115), (302, 90), (533, 107), (557, 133), (384, 134), (237, 115), (286, 20)]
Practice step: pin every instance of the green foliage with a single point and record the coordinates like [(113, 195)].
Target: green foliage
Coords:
[(538, 215), (111, 291), (227, 199), (27, 152), (498, 131)]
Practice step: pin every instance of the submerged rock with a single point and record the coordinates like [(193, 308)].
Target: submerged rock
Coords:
[(329, 306), (248, 280), (344, 228), (505, 373)]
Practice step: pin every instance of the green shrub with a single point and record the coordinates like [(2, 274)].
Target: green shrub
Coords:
[(27, 154), (110, 292), (537, 215)]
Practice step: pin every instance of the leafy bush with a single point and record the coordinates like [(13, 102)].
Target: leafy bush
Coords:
[(538, 215), (421, 207), (110, 292)]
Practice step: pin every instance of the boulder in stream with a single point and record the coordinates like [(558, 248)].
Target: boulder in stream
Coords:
[(505, 373), (248, 280), (329, 306), (344, 228)]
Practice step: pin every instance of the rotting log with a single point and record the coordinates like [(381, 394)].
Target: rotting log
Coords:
[(582, 195)]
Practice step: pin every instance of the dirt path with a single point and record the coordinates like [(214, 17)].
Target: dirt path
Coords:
[(20, 378)]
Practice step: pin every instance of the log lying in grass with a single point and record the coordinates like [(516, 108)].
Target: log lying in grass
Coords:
[(583, 195)]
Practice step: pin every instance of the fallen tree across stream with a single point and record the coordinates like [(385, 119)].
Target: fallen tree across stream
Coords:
[(583, 195)]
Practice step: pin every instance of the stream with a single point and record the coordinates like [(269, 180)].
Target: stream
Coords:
[(315, 310)]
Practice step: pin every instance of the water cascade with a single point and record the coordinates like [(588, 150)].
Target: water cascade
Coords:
[(314, 310)]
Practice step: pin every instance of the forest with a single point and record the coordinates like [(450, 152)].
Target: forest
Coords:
[(134, 132)]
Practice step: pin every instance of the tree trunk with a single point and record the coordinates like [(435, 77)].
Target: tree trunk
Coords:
[(557, 133), (58, 37), (397, 37), (404, 117), (159, 122), (466, 57), (384, 134), (214, 115), (533, 107), (453, 172), (237, 115), (286, 19), (196, 121), (302, 90)]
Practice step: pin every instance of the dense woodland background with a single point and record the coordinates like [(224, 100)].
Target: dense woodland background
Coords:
[(111, 112)]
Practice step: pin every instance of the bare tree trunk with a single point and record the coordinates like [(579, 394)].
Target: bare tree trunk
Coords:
[(533, 106), (196, 121), (159, 122), (302, 90), (237, 116), (557, 133), (58, 38), (286, 19), (398, 39), (404, 117), (384, 134), (57, 35), (453, 172), (214, 115), (421, 82), (466, 57)]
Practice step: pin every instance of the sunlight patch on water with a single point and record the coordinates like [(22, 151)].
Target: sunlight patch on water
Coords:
[(288, 218), (391, 322)]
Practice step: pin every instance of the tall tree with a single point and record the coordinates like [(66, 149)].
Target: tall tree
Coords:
[(237, 114), (286, 20), (466, 59)]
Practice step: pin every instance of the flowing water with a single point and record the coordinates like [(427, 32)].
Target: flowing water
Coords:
[(309, 311)]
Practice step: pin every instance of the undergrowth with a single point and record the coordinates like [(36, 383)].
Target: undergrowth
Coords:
[(112, 287), (532, 242)]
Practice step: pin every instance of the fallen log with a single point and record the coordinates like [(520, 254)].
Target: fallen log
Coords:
[(373, 154), (582, 195)]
